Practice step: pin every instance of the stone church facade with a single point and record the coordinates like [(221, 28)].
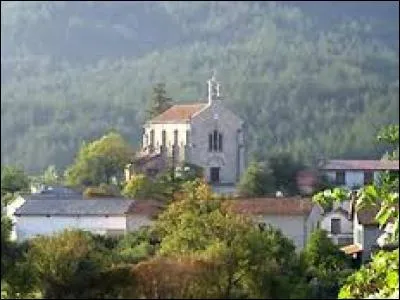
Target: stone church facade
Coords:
[(206, 134)]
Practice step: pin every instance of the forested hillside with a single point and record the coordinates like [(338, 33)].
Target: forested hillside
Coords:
[(315, 79)]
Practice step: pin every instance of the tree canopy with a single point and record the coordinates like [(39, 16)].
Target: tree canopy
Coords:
[(99, 161), (301, 76)]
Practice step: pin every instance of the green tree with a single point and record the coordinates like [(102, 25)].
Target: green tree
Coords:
[(159, 101), (325, 263), (135, 246), (63, 263), (258, 180), (243, 261), (284, 169), (99, 161), (13, 179), (139, 187), (6, 245), (50, 176)]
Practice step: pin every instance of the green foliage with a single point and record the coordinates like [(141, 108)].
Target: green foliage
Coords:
[(284, 169), (328, 197), (135, 246), (301, 78), (326, 263), (390, 136), (99, 161), (50, 176), (13, 179), (139, 187), (6, 245), (159, 101), (19, 280), (244, 261), (378, 280), (258, 180), (103, 190)]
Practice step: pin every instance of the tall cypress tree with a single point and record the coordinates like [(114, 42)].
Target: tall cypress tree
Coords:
[(159, 101)]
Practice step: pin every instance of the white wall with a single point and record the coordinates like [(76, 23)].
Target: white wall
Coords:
[(314, 217), (294, 227), (10, 210), (134, 222), (358, 229), (346, 225), (354, 178), (217, 117), (29, 226), (169, 130)]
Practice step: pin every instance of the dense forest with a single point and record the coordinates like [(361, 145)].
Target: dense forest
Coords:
[(315, 79)]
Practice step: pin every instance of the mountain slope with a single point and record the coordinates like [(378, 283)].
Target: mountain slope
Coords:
[(302, 81)]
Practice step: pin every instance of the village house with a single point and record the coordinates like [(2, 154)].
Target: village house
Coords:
[(205, 134), (294, 216), (354, 174), (112, 216), (338, 224)]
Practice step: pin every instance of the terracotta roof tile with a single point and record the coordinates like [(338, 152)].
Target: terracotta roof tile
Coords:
[(351, 249), (145, 207), (178, 113), (361, 165), (272, 206)]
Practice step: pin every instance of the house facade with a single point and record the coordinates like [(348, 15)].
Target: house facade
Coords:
[(292, 215), (354, 174), (206, 134), (113, 216), (338, 224)]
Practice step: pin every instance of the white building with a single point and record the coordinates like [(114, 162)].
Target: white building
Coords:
[(101, 216), (206, 134), (338, 224), (354, 174), (293, 216)]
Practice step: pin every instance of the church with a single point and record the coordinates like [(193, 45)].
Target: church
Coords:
[(206, 134)]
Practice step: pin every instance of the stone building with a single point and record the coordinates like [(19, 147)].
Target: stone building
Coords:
[(206, 134)]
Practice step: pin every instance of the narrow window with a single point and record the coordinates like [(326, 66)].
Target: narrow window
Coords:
[(335, 226), (340, 178), (175, 137), (220, 142), (152, 138), (368, 178), (210, 138), (215, 141), (164, 138), (187, 137)]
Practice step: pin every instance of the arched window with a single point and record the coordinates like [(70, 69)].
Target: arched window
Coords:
[(215, 141), (164, 138), (152, 138), (176, 137)]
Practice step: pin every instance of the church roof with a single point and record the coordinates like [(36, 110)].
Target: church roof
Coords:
[(178, 113)]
